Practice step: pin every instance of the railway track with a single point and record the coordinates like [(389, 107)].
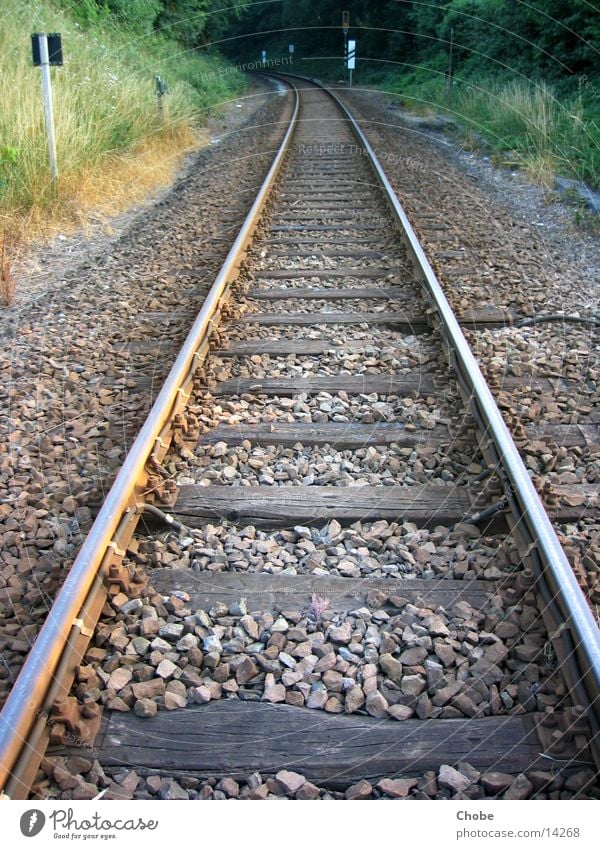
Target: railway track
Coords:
[(323, 570)]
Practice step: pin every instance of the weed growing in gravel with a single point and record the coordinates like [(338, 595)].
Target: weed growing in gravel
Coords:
[(7, 283)]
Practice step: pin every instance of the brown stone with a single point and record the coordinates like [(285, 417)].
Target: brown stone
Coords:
[(246, 671), (148, 689), (376, 705), (290, 781), (361, 790), (496, 782), (145, 708), (397, 788)]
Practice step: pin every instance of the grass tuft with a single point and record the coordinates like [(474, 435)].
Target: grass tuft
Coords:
[(7, 283), (547, 134), (112, 150)]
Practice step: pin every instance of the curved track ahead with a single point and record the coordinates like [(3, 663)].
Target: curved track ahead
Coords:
[(323, 452)]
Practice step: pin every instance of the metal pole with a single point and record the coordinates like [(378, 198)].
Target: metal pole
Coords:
[(48, 112)]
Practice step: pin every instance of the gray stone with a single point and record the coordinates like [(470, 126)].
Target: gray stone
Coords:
[(187, 642), (172, 632), (376, 705), (212, 644), (170, 789), (413, 656), (355, 699), (145, 708), (238, 608), (343, 634), (436, 626), (400, 712), (412, 685), (141, 645), (317, 699), (132, 606), (452, 779), (392, 667), (119, 679), (166, 669), (521, 788), (290, 781), (273, 692), (360, 790)]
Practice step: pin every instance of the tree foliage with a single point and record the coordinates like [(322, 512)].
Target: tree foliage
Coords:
[(192, 22), (550, 38)]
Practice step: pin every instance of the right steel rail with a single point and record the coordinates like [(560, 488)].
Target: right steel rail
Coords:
[(574, 622)]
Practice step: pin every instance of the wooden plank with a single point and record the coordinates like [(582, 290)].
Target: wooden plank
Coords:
[(314, 194), (333, 240), (290, 216), (278, 347), (287, 228), (474, 321), (299, 273), (426, 505), (340, 435), (361, 253), (282, 294), (309, 347), (567, 436), (489, 314), (395, 319), (324, 207), (275, 593), (353, 384), (573, 501), (235, 737)]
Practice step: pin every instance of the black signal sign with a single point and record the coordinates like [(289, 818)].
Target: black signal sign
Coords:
[(55, 56)]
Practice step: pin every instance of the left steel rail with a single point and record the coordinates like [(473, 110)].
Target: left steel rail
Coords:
[(50, 667)]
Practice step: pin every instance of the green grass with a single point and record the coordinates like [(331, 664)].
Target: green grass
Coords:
[(111, 146), (544, 132), (544, 129)]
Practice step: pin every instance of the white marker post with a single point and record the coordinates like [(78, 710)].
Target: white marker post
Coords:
[(41, 57), (351, 58), (264, 57)]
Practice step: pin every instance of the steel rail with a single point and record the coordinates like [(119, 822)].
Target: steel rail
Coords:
[(24, 705), (574, 607)]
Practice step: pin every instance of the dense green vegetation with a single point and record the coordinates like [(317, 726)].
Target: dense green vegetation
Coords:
[(525, 72), (112, 147)]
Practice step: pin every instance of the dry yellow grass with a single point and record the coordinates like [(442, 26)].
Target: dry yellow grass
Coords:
[(7, 283), (107, 188), (112, 150)]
